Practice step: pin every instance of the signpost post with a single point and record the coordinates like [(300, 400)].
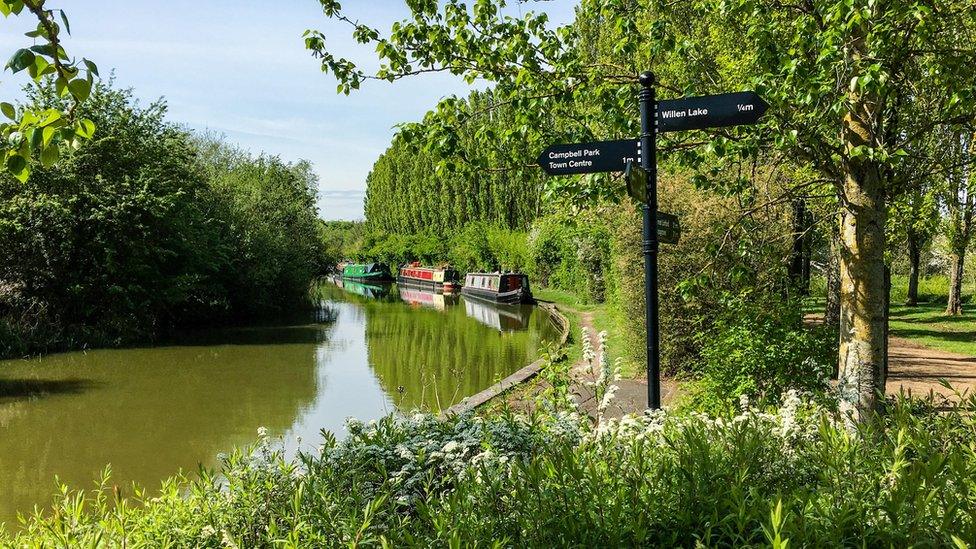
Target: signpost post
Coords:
[(648, 137), (690, 113)]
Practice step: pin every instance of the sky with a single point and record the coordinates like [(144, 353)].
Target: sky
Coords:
[(239, 68)]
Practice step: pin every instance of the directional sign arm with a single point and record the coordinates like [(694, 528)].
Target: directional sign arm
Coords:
[(710, 111), (593, 157)]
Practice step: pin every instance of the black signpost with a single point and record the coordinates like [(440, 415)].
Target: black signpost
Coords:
[(690, 113)]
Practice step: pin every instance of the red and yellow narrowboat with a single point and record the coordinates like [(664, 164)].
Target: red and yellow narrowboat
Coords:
[(441, 279)]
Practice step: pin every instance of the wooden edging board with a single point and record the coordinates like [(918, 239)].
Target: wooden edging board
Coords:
[(518, 377)]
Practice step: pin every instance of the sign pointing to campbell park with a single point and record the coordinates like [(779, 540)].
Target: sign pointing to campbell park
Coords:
[(593, 157), (710, 111), (640, 173)]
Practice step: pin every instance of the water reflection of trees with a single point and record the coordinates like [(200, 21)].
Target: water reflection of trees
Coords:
[(439, 357), (148, 411)]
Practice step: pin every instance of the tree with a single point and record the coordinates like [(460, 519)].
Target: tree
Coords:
[(961, 205), (913, 218), (29, 134), (836, 72)]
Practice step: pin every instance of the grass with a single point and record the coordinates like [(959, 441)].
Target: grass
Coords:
[(925, 324), (928, 325)]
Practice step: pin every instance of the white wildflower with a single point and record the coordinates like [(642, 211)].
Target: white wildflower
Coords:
[(403, 452), (450, 447), (228, 541), (262, 432), (744, 402)]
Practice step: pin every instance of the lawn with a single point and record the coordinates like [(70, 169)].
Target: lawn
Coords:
[(927, 324)]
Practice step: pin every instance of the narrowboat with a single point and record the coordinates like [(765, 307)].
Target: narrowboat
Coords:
[(440, 279), (498, 287), (366, 271)]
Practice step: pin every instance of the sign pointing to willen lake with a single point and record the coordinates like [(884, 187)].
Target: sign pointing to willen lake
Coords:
[(640, 173), (594, 157), (709, 111)]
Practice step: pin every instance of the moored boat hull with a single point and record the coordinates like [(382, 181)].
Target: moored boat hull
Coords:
[(438, 279), (511, 298), (377, 272)]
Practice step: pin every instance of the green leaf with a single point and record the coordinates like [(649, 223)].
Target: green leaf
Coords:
[(48, 133), (92, 68), (20, 60), (17, 165), (50, 155), (8, 110), (85, 128), (44, 49), (39, 67), (80, 88), (36, 137), (51, 117), (4, 8), (64, 19), (61, 86)]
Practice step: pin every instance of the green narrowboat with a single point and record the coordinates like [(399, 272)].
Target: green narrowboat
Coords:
[(366, 271)]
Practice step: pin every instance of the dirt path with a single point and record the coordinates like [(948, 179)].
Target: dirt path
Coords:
[(917, 369), (912, 368), (631, 395)]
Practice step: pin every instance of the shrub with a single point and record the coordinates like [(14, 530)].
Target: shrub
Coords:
[(571, 254), (760, 351)]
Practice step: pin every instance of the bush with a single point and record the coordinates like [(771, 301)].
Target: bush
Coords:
[(761, 351), (147, 227), (793, 472), (571, 254)]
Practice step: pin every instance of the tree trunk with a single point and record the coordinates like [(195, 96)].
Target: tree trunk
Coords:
[(807, 255), (861, 375), (832, 305), (914, 258), (955, 283), (796, 257)]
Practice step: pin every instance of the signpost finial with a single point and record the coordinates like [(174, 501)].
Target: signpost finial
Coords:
[(646, 79)]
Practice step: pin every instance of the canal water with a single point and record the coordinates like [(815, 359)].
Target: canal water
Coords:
[(365, 352)]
